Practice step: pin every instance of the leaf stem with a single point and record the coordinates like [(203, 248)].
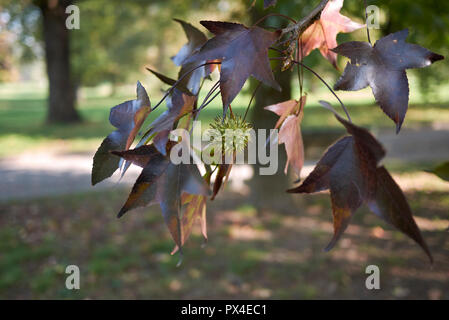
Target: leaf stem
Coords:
[(206, 99), (274, 15), (169, 91), (325, 83), (179, 80), (251, 100)]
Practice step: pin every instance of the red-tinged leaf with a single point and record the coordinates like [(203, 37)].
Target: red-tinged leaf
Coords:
[(283, 110), (178, 179), (127, 118), (290, 113), (243, 52), (195, 210), (163, 182), (140, 115), (348, 169), (322, 34), (290, 135), (382, 67), (391, 205)]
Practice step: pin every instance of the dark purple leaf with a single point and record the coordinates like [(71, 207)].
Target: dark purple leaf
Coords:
[(349, 170), (391, 205), (382, 67), (139, 156), (171, 82), (243, 52)]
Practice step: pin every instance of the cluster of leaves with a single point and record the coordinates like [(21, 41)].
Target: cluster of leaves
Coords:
[(350, 168)]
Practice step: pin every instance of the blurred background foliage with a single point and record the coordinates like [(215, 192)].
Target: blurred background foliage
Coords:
[(118, 38)]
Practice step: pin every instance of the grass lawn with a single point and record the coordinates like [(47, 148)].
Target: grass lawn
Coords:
[(23, 128), (251, 254)]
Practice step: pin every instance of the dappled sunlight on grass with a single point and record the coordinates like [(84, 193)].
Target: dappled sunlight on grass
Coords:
[(421, 181), (250, 253)]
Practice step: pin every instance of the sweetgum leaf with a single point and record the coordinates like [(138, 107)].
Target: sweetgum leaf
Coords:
[(195, 210), (222, 175), (391, 205), (127, 118), (171, 82), (196, 39), (322, 34), (243, 52), (382, 67), (290, 132), (349, 169), (139, 156), (163, 182), (178, 104)]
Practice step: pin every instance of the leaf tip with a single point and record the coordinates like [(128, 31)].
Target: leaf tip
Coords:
[(435, 57), (121, 213), (181, 258), (398, 127), (295, 190), (331, 244)]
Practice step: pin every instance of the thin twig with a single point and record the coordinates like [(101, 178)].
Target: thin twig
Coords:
[(251, 100), (274, 15), (171, 89), (300, 69), (179, 80), (299, 27), (206, 100)]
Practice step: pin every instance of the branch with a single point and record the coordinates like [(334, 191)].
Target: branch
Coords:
[(301, 26)]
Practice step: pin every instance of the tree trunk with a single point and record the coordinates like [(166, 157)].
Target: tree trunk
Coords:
[(268, 191), (62, 91)]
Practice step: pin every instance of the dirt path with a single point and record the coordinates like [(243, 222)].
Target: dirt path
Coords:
[(42, 174)]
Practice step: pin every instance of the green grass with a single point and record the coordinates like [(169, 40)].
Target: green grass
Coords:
[(23, 112), (130, 257)]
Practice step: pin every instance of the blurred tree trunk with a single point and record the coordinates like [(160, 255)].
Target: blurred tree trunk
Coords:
[(269, 191), (62, 91)]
